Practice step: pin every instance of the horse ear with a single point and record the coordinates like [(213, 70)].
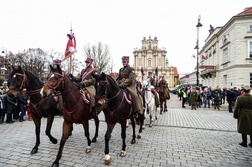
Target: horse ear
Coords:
[(59, 69), (103, 75), (51, 67)]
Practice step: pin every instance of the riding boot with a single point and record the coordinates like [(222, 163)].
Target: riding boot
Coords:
[(157, 102), (244, 140)]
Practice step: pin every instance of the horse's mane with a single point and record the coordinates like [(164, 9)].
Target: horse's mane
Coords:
[(28, 72), (111, 78)]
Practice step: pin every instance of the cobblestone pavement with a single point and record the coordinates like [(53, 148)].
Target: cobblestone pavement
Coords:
[(180, 137)]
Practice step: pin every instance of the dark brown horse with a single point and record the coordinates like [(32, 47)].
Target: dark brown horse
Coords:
[(76, 107), (39, 107), (163, 96), (112, 100)]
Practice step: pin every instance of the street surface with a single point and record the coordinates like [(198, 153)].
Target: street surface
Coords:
[(180, 137)]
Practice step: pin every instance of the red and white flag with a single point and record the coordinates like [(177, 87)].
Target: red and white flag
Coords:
[(71, 45), (203, 57), (193, 56)]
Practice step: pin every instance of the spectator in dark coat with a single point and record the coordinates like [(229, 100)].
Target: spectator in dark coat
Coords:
[(22, 102), (216, 98), (10, 107), (230, 99)]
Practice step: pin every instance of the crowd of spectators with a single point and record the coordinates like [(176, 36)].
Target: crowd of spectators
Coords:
[(208, 96), (12, 108)]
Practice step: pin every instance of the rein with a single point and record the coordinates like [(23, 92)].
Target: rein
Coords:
[(109, 99)]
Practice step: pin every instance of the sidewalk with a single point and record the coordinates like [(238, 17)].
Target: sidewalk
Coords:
[(179, 137)]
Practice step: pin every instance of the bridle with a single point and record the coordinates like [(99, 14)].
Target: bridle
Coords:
[(59, 81), (109, 99), (23, 84)]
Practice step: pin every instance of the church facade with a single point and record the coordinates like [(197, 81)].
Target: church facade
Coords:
[(150, 58)]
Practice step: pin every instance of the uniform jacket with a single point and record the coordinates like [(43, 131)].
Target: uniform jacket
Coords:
[(243, 114), (194, 97), (87, 80)]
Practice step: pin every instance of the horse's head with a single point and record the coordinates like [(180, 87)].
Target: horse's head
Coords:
[(54, 83), (101, 88), (17, 81), (146, 84)]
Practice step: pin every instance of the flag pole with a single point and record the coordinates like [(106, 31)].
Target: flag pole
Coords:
[(70, 64)]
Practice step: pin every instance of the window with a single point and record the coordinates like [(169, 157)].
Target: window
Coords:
[(225, 79), (250, 79), (149, 63), (250, 49), (225, 55), (250, 28)]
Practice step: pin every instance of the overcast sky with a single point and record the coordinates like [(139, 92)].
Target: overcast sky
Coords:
[(121, 24)]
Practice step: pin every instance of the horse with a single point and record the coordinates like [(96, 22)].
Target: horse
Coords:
[(76, 107), (115, 104), (163, 96), (150, 107), (39, 107)]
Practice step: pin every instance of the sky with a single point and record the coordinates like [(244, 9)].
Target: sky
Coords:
[(120, 24)]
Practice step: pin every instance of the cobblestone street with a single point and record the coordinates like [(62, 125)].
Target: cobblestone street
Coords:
[(179, 137)]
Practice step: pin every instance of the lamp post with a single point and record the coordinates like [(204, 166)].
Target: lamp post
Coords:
[(197, 47)]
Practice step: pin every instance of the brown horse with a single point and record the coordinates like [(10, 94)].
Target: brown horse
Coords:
[(76, 107), (39, 107), (163, 96), (113, 101)]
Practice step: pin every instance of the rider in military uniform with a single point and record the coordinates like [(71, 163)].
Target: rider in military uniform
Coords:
[(88, 81), (163, 81), (126, 79), (59, 98), (152, 81)]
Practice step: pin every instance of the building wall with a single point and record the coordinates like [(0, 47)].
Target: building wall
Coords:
[(226, 48)]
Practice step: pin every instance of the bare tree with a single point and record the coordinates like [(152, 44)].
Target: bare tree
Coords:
[(100, 54)]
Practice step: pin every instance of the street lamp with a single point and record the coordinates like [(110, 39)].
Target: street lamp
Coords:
[(197, 47)]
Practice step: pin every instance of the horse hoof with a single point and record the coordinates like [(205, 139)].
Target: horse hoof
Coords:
[(34, 151), (139, 136), (133, 141), (123, 153), (88, 149), (54, 141), (107, 159), (94, 140), (150, 126), (55, 165)]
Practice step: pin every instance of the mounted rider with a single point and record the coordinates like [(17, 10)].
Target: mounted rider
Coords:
[(163, 81), (126, 80), (153, 90), (87, 81)]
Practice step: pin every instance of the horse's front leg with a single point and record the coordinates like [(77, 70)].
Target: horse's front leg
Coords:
[(86, 129), (133, 141), (165, 110), (110, 127), (123, 135), (151, 120), (67, 126), (141, 119), (97, 122), (50, 119), (37, 121)]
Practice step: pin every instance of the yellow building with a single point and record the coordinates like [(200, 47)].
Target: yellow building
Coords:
[(150, 58)]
